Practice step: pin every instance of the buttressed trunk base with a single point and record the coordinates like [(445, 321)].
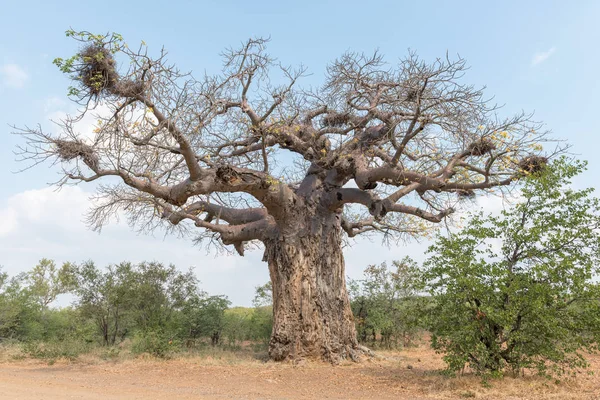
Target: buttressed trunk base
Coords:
[(312, 314)]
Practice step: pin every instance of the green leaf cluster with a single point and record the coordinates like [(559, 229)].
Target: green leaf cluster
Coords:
[(519, 290)]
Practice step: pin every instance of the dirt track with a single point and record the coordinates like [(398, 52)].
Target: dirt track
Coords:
[(184, 380), (413, 375)]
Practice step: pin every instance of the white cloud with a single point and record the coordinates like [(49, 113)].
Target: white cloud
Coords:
[(8, 221), (58, 110), (13, 75), (47, 223), (540, 57), (53, 104)]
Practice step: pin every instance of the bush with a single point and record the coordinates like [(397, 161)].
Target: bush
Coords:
[(155, 343), (386, 304), (517, 291), (52, 350)]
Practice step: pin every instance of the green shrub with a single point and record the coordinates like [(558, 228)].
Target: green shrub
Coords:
[(386, 304), (518, 290), (155, 343), (69, 349)]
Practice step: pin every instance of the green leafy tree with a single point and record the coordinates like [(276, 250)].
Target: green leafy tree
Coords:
[(157, 293), (11, 307), (21, 314), (517, 290), (263, 295), (103, 297), (144, 297), (46, 282), (205, 317), (238, 325), (386, 303), (261, 320)]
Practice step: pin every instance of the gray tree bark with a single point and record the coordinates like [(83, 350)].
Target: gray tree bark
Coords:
[(312, 314)]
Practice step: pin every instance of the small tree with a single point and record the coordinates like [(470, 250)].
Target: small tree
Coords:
[(205, 317), (386, 303), (263, 295), (516, 290), (157, 293), (14, 307), (46, 282), (262, 317), (143, 297), (103, 297), (24, 301)]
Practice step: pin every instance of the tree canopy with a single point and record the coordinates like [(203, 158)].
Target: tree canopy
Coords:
[(393, 146)]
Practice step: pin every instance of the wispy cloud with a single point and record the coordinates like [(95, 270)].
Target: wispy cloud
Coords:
[(47, 223), (13, 75), (542, 56)]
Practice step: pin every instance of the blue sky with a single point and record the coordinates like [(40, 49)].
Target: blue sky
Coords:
[(535, 55)]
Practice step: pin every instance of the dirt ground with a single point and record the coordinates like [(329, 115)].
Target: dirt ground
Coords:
[(410, 374)]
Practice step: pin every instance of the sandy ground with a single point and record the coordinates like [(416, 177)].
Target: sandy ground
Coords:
[(410, 374)]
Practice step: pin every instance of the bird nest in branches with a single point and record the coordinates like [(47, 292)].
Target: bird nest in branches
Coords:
[(465, 193), (70, 149), (411, 95), (533, 164), (481, 147), (128, 88), (97, 71)]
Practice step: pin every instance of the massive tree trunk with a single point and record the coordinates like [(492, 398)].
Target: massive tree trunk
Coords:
[(312, 314)]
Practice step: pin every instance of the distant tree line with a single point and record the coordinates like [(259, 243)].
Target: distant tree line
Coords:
[(159, 308)]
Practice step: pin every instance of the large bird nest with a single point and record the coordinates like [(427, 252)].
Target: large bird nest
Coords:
[(69, 150), (481, 147), (128, 88), (411, 95), (97, 71), (533, 164), (465, 193)]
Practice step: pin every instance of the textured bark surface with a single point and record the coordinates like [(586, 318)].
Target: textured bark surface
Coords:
[(312, 314)]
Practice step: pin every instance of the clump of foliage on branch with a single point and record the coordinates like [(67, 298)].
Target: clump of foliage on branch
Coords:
[(517, 290), (376, 149), (387, 304)]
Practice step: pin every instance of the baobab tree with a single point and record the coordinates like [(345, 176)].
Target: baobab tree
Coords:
[(249, 157)]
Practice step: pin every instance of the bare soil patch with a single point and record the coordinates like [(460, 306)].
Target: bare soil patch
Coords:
[(408, 374)]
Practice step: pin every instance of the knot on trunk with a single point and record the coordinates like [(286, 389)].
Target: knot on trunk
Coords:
[(368, 185), (238, 245), (378, 209), (227, 174), (335, 119)]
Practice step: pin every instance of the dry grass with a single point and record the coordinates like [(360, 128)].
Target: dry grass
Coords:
[(413, 373)]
